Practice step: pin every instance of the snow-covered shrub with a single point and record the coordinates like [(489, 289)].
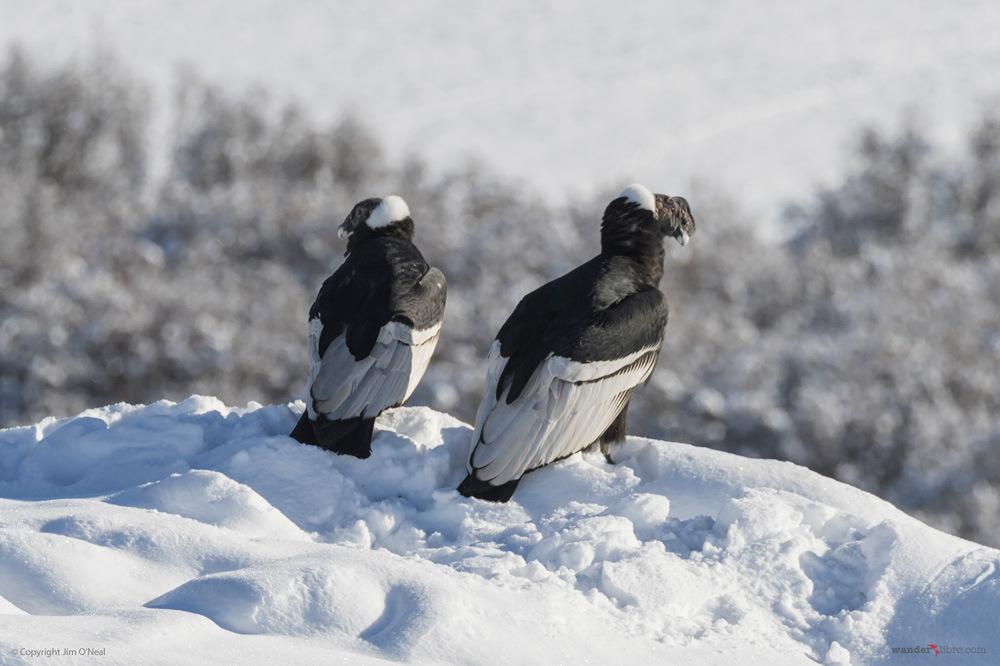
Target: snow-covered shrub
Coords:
[(72, 165)]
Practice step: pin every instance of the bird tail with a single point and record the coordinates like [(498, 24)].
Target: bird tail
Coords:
[(352, 437), (473, 487), (303, 431), (615, 435)]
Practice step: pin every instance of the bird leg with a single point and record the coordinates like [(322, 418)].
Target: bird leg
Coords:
[(615, 434)]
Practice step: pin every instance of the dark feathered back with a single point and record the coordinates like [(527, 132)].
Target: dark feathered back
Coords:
[(629, 230), (363, 233)]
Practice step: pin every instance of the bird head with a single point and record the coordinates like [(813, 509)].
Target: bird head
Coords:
[(674, 215), (637, 211), (375, 214), (376, 217)]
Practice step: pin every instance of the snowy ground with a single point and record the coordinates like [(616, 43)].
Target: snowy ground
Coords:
[(760, 100), (197, 533)]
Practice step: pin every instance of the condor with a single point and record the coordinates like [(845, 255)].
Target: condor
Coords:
[(372, 329), (564, 365)]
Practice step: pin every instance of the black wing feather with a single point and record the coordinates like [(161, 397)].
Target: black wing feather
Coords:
[(597, 312), (378, 282)]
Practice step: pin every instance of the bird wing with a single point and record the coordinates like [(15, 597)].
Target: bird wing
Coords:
[(564, 407), (342, 387), (366, 368), (423, 309), (556, 381)]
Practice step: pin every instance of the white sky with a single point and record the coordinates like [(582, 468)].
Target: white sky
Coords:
[(759, 102)]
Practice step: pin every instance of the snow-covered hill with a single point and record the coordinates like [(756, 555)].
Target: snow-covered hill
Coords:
[(198, 533)]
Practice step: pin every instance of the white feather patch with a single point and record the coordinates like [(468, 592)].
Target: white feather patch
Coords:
[(315, 331), (574, 371), (641, 195), (565, 406), (407, 335), (422, 352), (342, 387), (392, 209)]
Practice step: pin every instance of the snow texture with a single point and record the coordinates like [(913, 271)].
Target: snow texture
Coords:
[(199, 533)]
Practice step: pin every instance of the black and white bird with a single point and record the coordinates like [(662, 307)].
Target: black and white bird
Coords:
[(565, 363), (372, 329)]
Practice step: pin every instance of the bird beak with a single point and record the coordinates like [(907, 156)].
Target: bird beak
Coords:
[(682, 237), (348, 227)]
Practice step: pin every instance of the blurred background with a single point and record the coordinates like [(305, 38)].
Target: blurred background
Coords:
[(171, 179)]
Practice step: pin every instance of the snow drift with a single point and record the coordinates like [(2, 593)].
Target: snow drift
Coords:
[(199, 533)]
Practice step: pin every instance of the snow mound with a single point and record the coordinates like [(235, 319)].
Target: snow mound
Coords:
[(125, 526), (214, 499)]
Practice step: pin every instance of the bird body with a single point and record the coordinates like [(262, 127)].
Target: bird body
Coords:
[(372, 329), (566, 362)]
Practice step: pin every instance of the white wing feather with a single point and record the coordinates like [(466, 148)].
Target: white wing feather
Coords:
[(341, 387), (564, 408)]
